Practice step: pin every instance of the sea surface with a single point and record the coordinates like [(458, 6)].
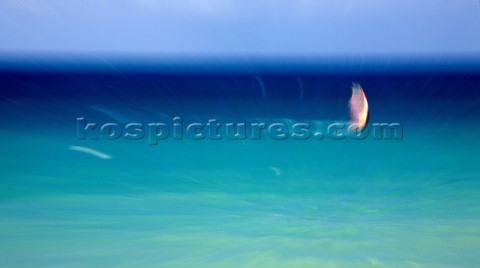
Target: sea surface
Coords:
[(412, 201)]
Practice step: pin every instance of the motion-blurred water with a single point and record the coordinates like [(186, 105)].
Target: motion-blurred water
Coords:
[(413, 202)]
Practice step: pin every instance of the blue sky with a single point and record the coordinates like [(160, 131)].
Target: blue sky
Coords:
[(227, 27)]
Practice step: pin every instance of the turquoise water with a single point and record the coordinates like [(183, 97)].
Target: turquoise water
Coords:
[(413, 202)]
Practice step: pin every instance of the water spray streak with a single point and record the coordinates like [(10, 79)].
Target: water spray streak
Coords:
[(90, 151)]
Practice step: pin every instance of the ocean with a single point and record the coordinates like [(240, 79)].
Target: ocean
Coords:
[(99, 200)]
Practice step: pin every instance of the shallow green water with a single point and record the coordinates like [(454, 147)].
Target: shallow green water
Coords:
[(395, 203)]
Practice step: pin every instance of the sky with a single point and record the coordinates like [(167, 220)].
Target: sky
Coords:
[(243, 27)]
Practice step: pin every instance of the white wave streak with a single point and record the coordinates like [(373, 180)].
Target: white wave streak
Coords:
[(90, 151)]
